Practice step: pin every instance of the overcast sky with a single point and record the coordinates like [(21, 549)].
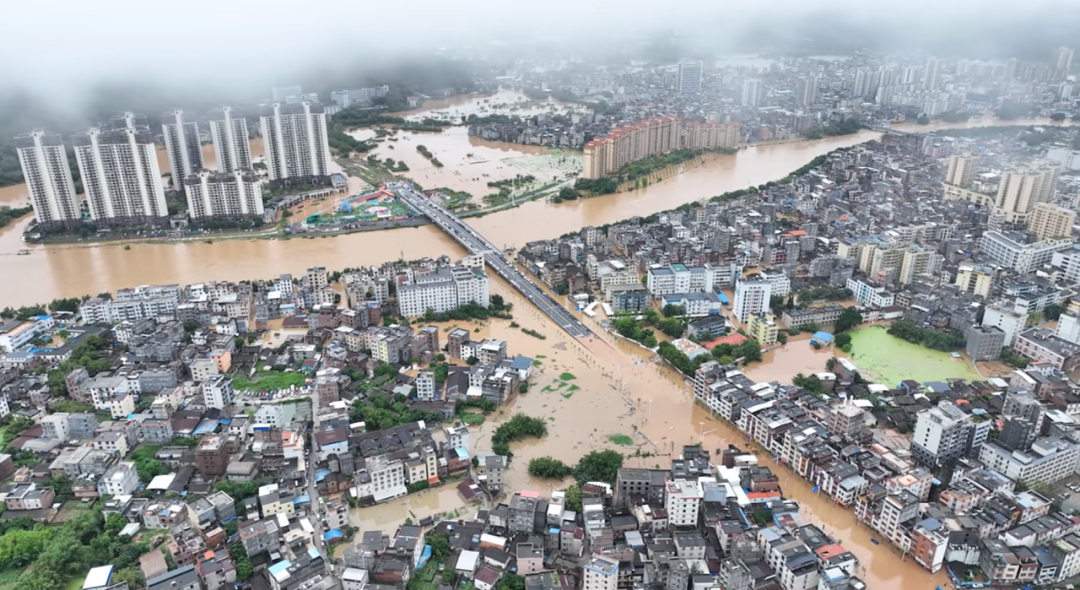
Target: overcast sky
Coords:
[(57, 49)]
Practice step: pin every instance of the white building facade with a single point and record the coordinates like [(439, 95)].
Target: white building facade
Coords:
[(224, 194), (444, 289), (120, 175), (230, 137), (295, 140), (181, 134), (751, 297), (45, 168)]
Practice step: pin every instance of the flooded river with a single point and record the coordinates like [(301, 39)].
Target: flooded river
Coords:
[(645, 401), (77, 269)]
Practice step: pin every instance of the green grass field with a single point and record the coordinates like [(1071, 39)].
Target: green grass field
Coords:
[(268, 381), (890, 360)]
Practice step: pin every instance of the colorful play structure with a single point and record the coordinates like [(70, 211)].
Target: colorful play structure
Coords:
[(380, 205)]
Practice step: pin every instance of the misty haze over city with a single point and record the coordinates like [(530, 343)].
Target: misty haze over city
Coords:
[(114, 51)]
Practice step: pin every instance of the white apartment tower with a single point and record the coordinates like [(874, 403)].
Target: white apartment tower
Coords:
[(295, 139), (689, 76), (120, 173), (181, 134), (1048, 220), (1021, 190), (806, 91), (961, 170), (861, 86), (751, 297), (230, 136), (48, 178), (223, 194), (1064, 61), (930, 74), (751, 92)]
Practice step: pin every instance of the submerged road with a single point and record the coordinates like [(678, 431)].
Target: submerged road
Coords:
[(477, 244)]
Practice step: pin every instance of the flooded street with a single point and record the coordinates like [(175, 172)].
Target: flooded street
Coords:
[(797, 356), (647, 402)]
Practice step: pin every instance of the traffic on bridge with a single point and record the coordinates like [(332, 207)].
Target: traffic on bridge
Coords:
[(477, 244)]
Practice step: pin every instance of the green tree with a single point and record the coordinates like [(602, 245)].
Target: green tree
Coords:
[(510, 581), (573, 498), (598, 466), (549, 468), (440, 547), (849, 318), (1053, 311), (923, 119), (843, 341), (514, 429)]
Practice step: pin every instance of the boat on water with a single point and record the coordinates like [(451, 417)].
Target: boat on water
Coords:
[(875, 541)]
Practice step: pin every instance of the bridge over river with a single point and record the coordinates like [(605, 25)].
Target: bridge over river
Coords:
[(477, 244)]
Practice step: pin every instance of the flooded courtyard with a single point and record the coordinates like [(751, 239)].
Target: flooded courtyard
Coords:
[(890, 360)]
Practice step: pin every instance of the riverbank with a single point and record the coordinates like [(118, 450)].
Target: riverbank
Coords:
[(66, 270)]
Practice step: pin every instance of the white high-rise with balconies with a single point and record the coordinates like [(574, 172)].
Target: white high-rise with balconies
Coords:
[(120, 174), (223, 194), (1020, 190), (961, 171), (294, 136), (751, 297), (181, 134), (45, 167), (230, 137)]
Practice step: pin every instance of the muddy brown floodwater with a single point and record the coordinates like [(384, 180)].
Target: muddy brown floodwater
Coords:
[(469, 163), (648, 402), (77, 269)]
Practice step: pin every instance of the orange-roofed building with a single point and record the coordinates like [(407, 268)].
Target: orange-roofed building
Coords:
[(832, 550)]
